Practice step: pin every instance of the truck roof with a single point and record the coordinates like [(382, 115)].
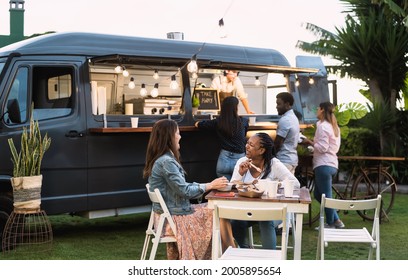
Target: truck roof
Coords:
[(106, 48)]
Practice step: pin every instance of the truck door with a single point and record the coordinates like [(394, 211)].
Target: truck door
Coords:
[(51, 92)]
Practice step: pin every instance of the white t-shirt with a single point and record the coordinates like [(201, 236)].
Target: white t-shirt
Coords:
[(221, 84), (279, 172)]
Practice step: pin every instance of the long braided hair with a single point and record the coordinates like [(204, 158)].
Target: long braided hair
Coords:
[(267, 143)]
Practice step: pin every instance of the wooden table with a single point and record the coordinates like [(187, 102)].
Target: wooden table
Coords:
[(298, 206)]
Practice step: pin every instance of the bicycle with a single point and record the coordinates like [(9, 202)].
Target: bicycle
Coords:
[(370, 182)]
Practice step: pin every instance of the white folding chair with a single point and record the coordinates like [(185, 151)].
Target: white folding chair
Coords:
[(289, 224), (250, 214), (359, 235), (157, 232)]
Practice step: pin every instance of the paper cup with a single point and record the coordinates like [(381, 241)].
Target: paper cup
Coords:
[(252, 120), (134, 122), (129, 109), (288, 186), (272, 188), (263, 185)]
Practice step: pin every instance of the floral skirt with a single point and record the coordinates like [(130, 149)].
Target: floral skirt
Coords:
[(194, 234)]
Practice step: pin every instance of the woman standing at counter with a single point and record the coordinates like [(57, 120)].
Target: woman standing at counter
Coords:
[(194, 222), (231, 130)]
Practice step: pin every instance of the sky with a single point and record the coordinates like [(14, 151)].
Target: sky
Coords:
[(274, 24)]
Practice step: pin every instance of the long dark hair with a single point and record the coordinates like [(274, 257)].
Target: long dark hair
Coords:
[(229, 120), (267, 143), (161, 141)]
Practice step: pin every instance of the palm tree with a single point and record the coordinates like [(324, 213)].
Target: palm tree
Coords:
[(372, 46)]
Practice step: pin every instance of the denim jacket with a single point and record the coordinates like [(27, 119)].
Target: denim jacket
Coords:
[(168, 176)]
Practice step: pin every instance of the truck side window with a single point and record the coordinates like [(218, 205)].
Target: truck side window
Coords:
[(16, 104), (52, 92)]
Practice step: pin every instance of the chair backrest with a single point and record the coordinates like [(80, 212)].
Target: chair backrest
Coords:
[(251, 214), (156, 197), (351, 205)]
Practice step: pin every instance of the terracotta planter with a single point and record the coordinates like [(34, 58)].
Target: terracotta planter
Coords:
[(27, 193)]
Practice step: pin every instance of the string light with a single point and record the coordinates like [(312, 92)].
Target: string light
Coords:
[(223, 31), (156, 75), (311, 80), (297, 83), (192, 65), (131, 84), (257, 81), (155, 90), (118, 69), (143, 91), (173, 84), (125, 72)]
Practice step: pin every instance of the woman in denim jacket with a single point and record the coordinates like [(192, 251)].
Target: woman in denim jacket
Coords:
[(193, 221)]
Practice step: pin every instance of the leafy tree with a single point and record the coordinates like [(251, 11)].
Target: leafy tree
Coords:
[(372, 46)]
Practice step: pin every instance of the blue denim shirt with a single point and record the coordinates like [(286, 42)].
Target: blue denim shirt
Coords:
[(168, 176)]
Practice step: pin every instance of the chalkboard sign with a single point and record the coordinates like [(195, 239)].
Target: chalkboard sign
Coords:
[(209, 99)]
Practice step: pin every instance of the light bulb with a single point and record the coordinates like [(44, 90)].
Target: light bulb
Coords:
[(192, 66), (155, 90), (143, 91), (297, 83), (257, 81), (223, 30), (194, 75), (125, 72), (311, 81), (118, 69), (131, 84), (156, 75), (173, 84)]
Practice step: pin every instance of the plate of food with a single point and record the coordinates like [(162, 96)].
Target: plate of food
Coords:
[(249, 190)]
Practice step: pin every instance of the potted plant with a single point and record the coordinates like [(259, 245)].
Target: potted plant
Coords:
[(195, 104), (27, 180)]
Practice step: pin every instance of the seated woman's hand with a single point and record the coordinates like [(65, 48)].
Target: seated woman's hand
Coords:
[(218, 183), (244, 166)]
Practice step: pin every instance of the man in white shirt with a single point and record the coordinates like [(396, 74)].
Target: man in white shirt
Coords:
[(287, 133), (230, 85)]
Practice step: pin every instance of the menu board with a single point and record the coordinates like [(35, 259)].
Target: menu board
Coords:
[(209, 99)]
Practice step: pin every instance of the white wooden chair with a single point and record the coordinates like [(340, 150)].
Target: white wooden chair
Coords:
[(250, 214), (360, 235), (155, 234)]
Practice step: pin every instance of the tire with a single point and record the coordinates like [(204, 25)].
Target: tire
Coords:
[(314, 211), (369, 186)]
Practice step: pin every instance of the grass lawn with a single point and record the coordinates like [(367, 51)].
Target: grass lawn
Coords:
[(121, 238)]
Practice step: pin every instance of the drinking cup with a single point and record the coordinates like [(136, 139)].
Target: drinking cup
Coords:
[(252, 120), (272, 188), (288, 186), (263, 185), (134, 122)]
